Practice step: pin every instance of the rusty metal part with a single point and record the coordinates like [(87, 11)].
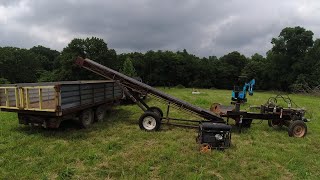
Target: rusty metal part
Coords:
[(219, 109), (215, 108), (205, 148), (299, 131)]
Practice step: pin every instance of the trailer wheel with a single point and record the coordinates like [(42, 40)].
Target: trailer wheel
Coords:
[(22, 119), (100, 113), (86, 118), (297, 129), (156, 110), (274, 123), (149, 121)]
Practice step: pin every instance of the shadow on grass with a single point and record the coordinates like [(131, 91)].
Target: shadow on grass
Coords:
[(129, 102), (70, 129), (265, 129)]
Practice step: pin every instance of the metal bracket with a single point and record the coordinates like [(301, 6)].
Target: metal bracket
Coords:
[(129, 94)]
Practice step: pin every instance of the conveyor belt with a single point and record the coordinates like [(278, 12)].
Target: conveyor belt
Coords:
[(135, 85)]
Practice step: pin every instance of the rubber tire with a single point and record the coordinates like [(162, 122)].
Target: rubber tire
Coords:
[(295, 123), (153, 115), (100, 113), (270, 124), (86, 118), (156, 110)]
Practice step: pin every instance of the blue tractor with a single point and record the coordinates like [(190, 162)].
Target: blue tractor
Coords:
[(239, 92)]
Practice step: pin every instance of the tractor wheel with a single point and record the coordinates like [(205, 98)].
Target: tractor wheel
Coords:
[(150, 121), (297, 129), (275, 123), (156, 110), (100, 113), (86, 118)]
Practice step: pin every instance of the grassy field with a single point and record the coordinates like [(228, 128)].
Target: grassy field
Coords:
[(118, 149)]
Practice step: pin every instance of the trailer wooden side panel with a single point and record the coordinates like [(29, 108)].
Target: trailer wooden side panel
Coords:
[(58, 98)]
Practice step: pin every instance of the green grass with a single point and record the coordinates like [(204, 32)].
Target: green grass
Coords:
[(118, 149)]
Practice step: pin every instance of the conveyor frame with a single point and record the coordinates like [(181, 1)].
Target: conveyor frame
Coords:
[(131, 87)]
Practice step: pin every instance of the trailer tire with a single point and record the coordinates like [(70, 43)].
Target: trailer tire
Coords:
[(100, 113), (297, 128), (86, 118), (156, 110), (149, 121), (274, 123), (22, 119)]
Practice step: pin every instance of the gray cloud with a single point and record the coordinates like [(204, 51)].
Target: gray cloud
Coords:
[(208, 27)]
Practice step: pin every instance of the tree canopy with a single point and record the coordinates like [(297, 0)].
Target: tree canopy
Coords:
[(293, 61), (128, 68)]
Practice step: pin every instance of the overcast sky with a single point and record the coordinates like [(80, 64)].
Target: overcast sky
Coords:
[(203, 27)]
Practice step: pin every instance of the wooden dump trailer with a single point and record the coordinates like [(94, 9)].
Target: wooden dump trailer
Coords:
[(48, 104)]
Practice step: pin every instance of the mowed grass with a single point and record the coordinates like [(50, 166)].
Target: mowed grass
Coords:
[(118, 149)]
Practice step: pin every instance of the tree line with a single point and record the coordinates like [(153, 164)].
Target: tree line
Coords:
[(292, 62)]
